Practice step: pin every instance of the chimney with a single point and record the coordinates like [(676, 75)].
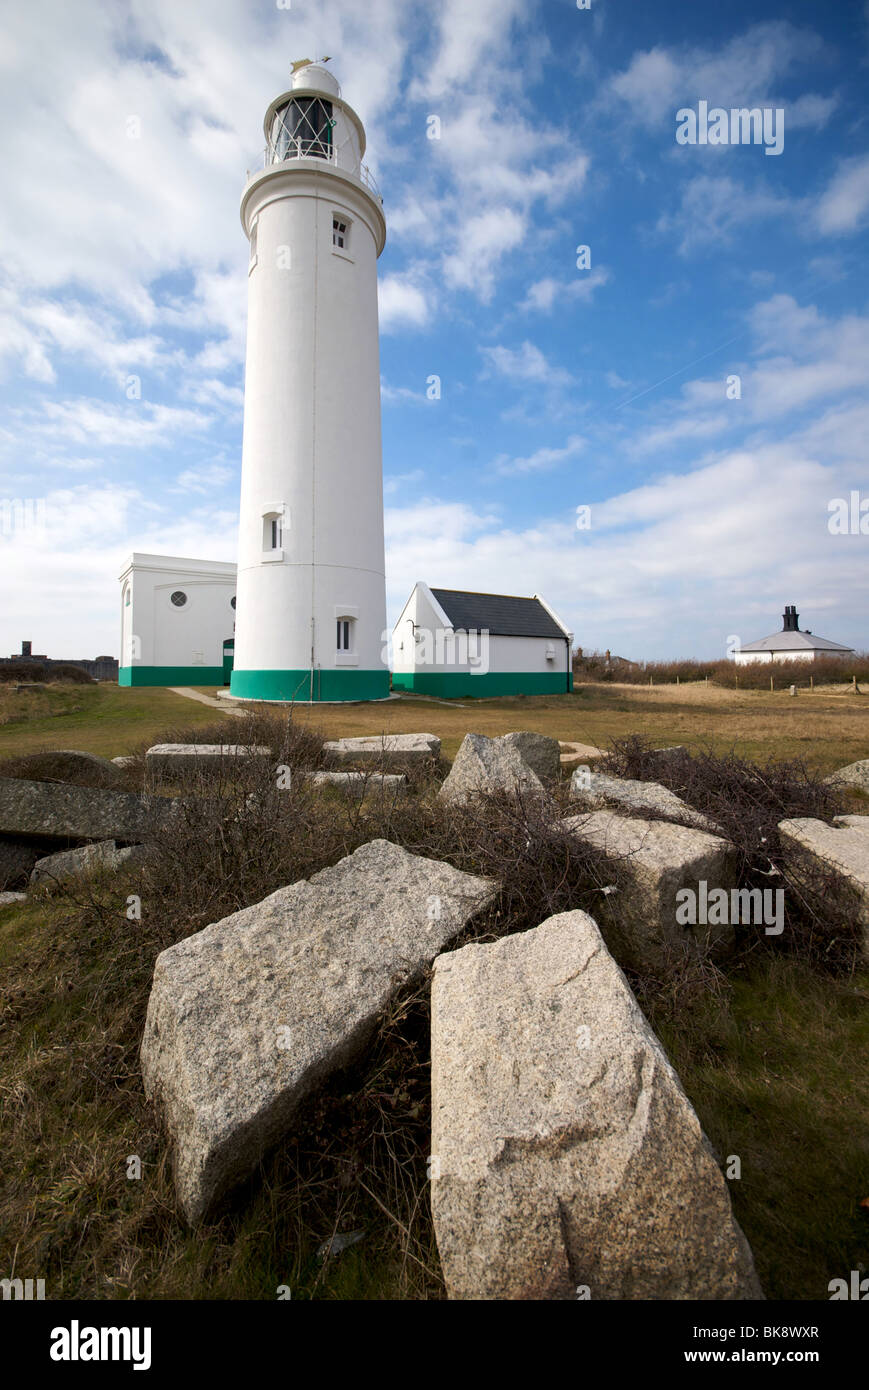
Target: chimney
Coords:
[(791, 619), (26, 648)]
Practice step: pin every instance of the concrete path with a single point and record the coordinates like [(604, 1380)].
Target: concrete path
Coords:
[(189, 694)]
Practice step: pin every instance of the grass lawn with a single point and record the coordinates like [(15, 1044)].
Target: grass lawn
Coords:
[(107, 719), (828, 727)]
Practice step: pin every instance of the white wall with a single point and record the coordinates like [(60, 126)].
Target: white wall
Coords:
[(803, 654), (166, 635)]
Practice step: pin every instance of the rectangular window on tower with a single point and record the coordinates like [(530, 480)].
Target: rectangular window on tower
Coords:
[(274, 525), (340, 234), (343, 634)]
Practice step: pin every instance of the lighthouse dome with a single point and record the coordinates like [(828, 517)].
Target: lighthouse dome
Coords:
[(315, 78)]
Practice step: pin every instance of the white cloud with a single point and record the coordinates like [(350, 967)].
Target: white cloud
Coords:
[(472, 39), (135, 424), (667, 569), (204, 480), (843, 206), (65, 575), (402, 303), (745, 71), (714, 209), (485, 239), (542, 460), (543, 296), (525, 363)]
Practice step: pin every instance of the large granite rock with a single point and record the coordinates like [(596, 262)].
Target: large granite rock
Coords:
[(247, 1017), (58, 811), (79, 863), (595, 789), (383, 750), (67, 765), (542, 754), (854, 775), (578, 754), (7, 899), (842, 849), (360, 782), (178, 760), (485, 765), (656, 860), (567, 1160), (853, 822)]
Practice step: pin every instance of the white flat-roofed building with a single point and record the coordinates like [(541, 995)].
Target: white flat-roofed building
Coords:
[(177, 621)]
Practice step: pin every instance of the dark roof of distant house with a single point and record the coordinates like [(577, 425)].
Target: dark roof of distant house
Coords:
[(794, 642), (502, 615)]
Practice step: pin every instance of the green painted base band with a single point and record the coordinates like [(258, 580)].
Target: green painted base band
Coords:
[(328, 686), (170, 675), (454, 685)]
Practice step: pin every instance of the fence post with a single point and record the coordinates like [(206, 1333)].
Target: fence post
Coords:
[(771, 683)]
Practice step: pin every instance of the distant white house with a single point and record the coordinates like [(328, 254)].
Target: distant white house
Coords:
[(177, 621), (454, 643), (790, 644)]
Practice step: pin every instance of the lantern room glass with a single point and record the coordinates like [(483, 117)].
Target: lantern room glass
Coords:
[(303, 128)]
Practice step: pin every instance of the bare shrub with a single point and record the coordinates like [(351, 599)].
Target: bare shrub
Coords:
[(748, 801)]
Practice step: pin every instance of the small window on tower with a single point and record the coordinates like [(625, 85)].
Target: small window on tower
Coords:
[(340, 235), (274, 523), (344, 634)]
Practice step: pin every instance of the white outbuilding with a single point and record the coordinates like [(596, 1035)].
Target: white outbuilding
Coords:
[(455, 643), (177, 621), (790, 644)]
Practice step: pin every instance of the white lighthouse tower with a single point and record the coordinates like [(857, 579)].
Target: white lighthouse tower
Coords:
[(311, 603)]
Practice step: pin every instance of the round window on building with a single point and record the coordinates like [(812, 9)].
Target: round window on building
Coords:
[(232, 601), (179, 598)]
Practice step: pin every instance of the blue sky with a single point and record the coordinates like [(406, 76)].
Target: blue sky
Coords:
[(128, 130)]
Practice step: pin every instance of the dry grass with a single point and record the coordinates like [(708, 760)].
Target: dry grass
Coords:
[(827, 728)]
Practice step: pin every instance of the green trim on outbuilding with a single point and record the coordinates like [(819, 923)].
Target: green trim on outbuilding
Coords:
[(454, 685), (170, 675)]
